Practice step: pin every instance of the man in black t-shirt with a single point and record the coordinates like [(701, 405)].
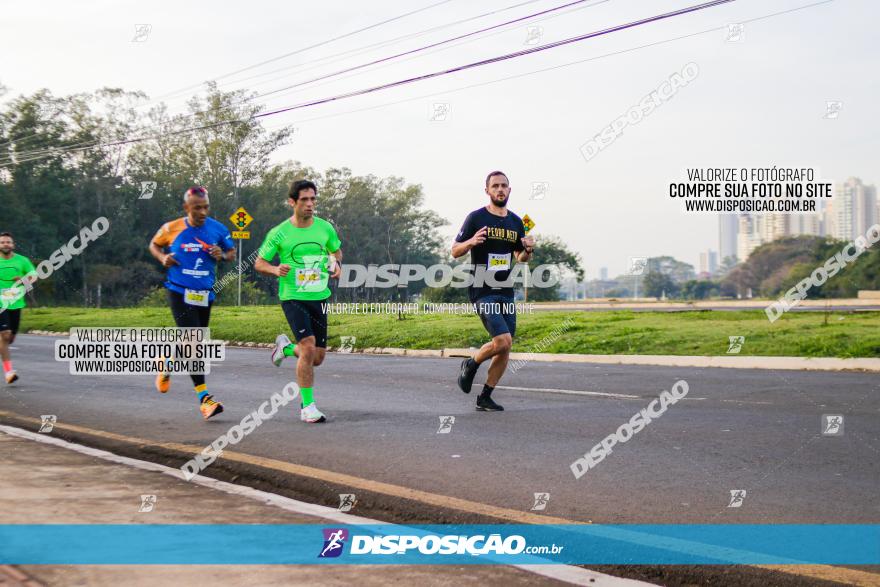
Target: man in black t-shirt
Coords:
[(496, 239)]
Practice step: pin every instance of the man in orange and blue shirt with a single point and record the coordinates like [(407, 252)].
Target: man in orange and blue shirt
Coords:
[(190, 248)]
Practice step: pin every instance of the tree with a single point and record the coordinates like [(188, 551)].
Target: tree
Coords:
[(65, 161), (698, 289), (231, 148), (446, 295), (551, 250), (380, 221), (656, 283), (678, 271), (727, 264), (55, 193), (768, 266), (861, 273)]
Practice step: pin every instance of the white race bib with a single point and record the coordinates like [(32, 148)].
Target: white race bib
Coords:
[(312, 277), (197, 297), (9, 295), (498, 262), (307, 277)]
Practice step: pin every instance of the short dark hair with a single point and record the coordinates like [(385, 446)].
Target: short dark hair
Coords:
[(300, 185), (9, 234), (488, 177)]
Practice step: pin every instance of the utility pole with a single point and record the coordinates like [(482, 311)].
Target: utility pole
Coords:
[(240, 219), (239, 252)]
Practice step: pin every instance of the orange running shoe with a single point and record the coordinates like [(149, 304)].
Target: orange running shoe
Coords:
[(163, 379), (209, 407), (163, 382)]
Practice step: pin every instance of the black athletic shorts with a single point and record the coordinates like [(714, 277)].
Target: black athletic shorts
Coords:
[(307, 318), (186, 315), (9, 320), (498, 313)]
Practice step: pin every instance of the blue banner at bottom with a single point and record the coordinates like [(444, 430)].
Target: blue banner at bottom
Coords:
[(673, 544)]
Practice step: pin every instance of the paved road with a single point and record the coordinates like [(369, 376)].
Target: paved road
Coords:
[(752, 430), (755, 430)]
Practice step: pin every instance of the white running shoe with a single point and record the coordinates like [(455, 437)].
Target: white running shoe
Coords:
[(281, 341), (311, 414), (11, 377)]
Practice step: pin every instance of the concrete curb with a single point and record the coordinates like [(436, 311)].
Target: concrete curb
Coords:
[(647, 304), (725, 361), (869, 365)]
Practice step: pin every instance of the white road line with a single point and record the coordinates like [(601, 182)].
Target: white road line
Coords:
[(620, 395), (571, 392), (565, 573), (590, 393)]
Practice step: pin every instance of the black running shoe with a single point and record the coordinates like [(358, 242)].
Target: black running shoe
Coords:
[(466, 375), (487, 404)]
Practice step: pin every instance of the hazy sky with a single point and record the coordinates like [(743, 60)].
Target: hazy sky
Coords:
[(759, 101)]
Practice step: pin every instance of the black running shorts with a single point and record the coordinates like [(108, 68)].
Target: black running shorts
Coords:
[(9, 320), (307, 318)]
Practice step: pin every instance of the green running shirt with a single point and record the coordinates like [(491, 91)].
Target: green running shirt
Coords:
[(307, 251), (12, 294)]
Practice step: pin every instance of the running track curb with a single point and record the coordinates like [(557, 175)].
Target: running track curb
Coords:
[(726, 362)]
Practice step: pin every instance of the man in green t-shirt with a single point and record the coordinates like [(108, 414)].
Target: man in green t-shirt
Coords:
[(13, 268), (309, 252)]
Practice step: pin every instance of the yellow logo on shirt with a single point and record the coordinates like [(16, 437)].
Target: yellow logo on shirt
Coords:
[(501, 234)]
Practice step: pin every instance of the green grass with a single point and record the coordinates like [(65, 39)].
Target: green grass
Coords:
[(604, 333)]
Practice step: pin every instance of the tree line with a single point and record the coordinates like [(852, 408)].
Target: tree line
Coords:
[(65, 161), (771, 270)]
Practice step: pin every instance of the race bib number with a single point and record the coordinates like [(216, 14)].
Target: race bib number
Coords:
[(312, 277), (308, 276), (498, 262), (10, 295), (197, 297)]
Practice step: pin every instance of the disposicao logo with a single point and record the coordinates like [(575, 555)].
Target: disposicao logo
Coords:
[(334, 542)]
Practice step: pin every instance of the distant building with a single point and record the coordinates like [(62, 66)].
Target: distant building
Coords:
[(728, 227), (805, 224), (603, 273), (708, 262), (852, 210), (748, 236), (772, 227), (756, 229), (572, 290)]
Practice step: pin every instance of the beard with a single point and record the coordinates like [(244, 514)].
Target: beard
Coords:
[(500, 201)]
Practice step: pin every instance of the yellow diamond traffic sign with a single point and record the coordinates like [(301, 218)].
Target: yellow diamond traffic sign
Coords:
[(528, 223), (240, 218)]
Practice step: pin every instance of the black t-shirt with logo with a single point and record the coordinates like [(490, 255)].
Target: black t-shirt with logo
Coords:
[(496, 254)]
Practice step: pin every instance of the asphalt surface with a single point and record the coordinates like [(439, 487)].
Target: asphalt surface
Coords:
[(737, 429)]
